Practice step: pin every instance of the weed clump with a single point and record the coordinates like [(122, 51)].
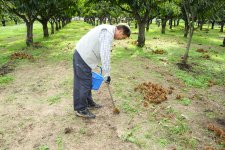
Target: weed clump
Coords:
[(21, 55), (153, 93)]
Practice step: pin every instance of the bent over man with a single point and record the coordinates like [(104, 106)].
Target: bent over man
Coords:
[(93, 48)]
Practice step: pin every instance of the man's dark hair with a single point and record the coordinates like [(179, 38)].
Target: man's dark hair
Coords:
[(126, 29)]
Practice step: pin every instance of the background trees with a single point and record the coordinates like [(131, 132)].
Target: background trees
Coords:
[(196, 10), (41, 10), (141, 12), (168, 10)]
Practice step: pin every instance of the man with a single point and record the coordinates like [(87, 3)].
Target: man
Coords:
[(93, 48)]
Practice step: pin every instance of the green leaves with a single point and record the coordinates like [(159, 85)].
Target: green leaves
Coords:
[(169, 9)]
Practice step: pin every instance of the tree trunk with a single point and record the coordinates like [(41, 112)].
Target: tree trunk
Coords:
[(56, 26), (141, 34), (29, 38), (185, 57), (101, 20), (178, 22), (171, 23), (147, 25), (110, 20), (222, 25), (163, 30), (186, 29), (224, 42), (104, 20), (93, 21), (52, 28), (201, 25), (59, 23), (174, 22), (16, 22), (213, 23), (158, 22), (63, 22), (45, 28), (135, 25), (3, 23)]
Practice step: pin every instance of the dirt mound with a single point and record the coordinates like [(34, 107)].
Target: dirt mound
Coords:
[(153, 93), (178, 96), (218, 132), (158, 51), (21, 55), (7, 68), (211, 83), (200, 50)]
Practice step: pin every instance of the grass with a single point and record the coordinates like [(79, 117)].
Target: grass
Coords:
[(54, 99), (129, 136), (59, 143), (43, 147), (6, 79), (185, 101)]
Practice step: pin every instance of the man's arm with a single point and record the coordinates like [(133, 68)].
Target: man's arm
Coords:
[(105, 47)]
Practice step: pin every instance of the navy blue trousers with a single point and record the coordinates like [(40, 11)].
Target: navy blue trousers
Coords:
[(82, 96)]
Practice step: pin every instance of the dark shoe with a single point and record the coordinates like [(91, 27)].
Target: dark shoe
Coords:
[(94, 106), (85, 113)]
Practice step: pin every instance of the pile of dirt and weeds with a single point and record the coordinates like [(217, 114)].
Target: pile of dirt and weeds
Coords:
[(21, 55), (153, 93), (37, 45), (7, 68), (220, 134), (205, 56), (159, 51), (184, 66), (200, 50)]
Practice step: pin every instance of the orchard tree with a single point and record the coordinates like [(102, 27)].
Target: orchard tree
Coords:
[(140, 10), (2, 14), (193, 9), (153, 14), (51, 9), (221, 18), (26, 10)]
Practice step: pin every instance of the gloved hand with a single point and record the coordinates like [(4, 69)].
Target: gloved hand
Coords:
[(107, 79)]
